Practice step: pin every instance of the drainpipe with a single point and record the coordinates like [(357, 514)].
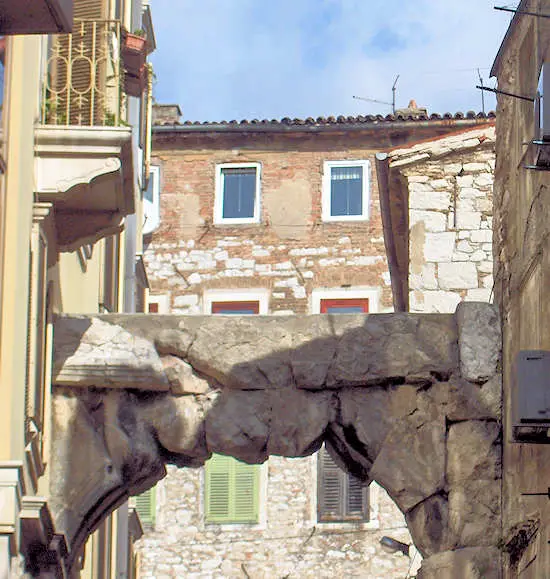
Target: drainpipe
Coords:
[(383, 174)]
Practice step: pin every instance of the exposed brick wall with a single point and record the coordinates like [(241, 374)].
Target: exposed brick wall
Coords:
[(290, 252)]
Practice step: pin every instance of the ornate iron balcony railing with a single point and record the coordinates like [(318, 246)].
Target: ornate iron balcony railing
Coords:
[(84, 81)]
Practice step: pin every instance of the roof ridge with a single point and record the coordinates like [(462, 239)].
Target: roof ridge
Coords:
[(338, 120)]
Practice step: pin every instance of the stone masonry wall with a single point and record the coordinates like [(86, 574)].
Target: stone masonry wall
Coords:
[(450, 223), (290, 252), (290, 543)]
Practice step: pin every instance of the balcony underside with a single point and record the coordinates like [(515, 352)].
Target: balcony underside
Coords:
[(87, 173), (35, 16)]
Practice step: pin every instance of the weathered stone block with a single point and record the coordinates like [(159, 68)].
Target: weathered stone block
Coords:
[(243, 353), (91, 352), (474, 512), (456, 276), (468, 220), (392, 345), (298, 421), (434, 301), (179, 424), (426, 279), (435, 200), (411, 463), (174, 342), (371, 413), (482, 294), (238, 424), (482, 236), (473, 451), (433, 220), (182, 378), (461, 400), (439, 246), (428, 524), (479, 340), (467, 563)]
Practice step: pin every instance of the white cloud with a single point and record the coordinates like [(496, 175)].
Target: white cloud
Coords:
[(234, 59)]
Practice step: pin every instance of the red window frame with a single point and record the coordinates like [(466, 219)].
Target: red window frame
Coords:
[(222, 307), (327, 303)]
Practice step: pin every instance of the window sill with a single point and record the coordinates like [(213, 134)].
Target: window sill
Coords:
[(231, 222), (209, 526), (344, 218), (347, 525)]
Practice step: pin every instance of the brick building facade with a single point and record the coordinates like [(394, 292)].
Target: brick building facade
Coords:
[(251, 220)]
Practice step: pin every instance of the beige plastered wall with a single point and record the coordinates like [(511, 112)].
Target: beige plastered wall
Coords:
[(20, 110)]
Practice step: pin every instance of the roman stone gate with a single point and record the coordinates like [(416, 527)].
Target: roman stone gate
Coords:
[(412, 401)]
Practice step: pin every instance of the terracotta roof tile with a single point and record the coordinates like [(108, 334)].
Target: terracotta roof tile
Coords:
[(339, 120)]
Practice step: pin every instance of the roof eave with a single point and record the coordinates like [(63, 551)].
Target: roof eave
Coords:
[(317, 128)]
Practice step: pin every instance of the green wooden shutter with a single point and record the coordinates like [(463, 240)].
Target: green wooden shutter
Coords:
[(246, 489), (231, 491), (218, 489), (146, 507)]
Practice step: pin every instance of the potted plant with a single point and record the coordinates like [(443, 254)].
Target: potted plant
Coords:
[(134, 51)]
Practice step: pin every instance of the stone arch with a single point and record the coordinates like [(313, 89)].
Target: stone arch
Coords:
[(409, 400)]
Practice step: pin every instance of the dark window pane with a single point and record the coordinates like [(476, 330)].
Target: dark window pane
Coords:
[(346, 191), (239, 193)]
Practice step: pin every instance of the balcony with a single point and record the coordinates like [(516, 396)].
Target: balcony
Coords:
[(83, 146), (36, 16)]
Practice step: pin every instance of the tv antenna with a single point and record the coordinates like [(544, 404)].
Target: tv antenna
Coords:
[(482, 91), (392, 104)]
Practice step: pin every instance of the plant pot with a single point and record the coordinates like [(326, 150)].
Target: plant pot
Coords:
[(134, 53)]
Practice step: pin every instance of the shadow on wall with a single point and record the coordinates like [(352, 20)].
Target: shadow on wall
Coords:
[(411, 401)]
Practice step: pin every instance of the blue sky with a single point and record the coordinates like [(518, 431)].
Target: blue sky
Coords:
[(236, 59)]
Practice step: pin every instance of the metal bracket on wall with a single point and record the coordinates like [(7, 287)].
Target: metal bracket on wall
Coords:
[(515, 11), (546, 494)]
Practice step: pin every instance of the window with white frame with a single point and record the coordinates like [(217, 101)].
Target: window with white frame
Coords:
[(345, 300), (151, 201), (236, 302), (158, 304), (237, 193), (345, 190)]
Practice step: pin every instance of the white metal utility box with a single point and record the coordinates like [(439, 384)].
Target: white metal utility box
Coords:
[(531, 397)]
